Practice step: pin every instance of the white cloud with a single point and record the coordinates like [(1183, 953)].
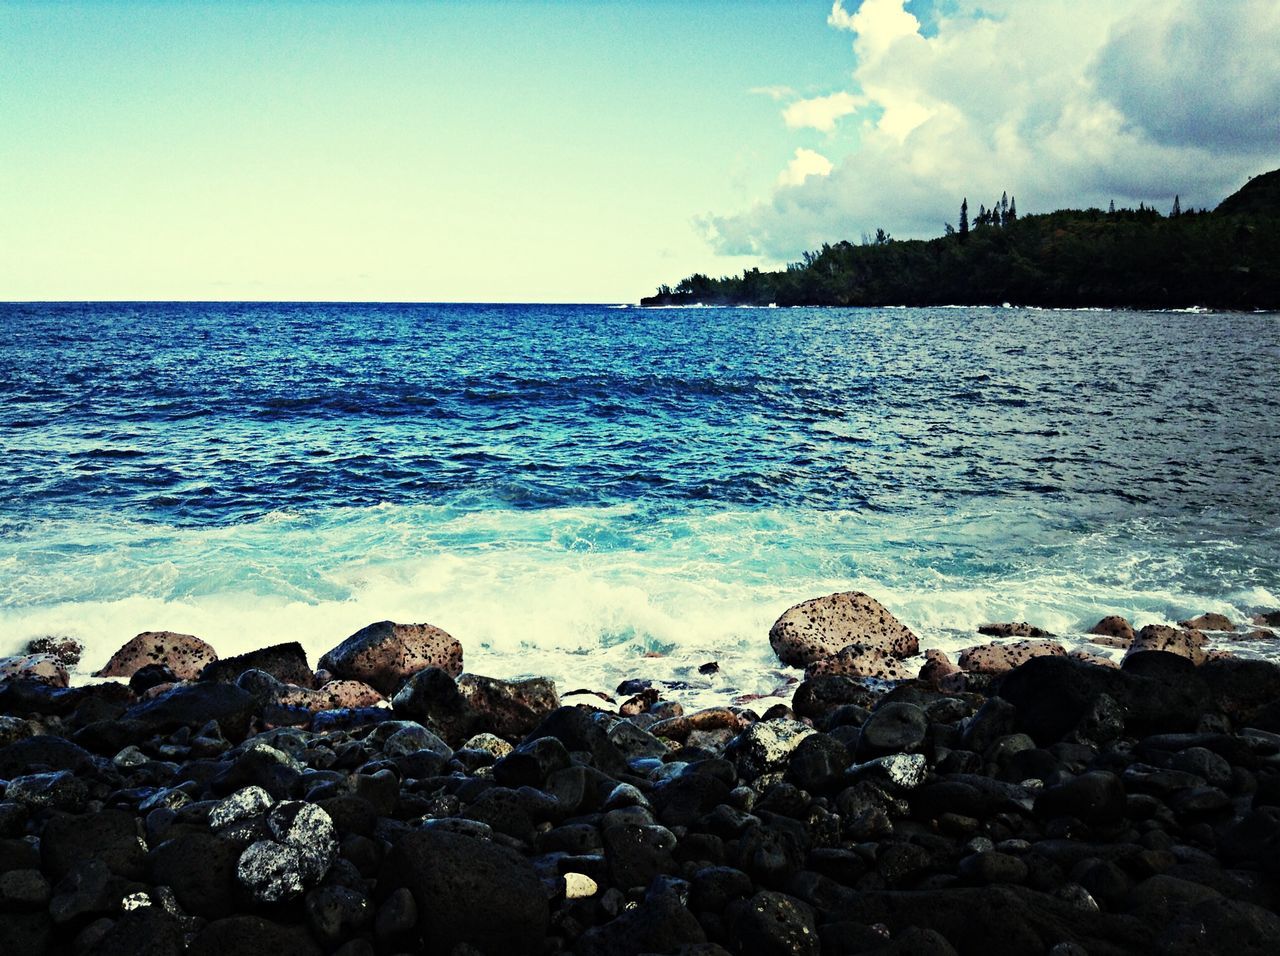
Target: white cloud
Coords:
[(821, 112), (1061, 104), (804, 164), (774, 93)]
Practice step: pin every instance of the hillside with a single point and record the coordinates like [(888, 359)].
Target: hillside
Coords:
[(1228, 258)]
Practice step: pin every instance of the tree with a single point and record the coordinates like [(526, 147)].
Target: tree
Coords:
[(1004, 208), (1013, 209), (1112, 210), (1177, 207), (964, 218)]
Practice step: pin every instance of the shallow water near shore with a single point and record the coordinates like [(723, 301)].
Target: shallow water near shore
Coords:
[(567, 489)]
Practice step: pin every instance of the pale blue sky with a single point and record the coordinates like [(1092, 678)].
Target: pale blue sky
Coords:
[(574, 150)]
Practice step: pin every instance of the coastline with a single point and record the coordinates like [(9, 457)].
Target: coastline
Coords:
[(391, 800)]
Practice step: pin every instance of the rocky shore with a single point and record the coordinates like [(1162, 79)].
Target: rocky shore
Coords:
[(1021, 800)]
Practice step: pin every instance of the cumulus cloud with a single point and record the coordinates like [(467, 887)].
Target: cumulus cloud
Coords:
[(804, 164), (821, 112), (1061, 104)]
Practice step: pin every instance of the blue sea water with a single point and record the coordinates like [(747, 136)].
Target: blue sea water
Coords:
[(567, 489)]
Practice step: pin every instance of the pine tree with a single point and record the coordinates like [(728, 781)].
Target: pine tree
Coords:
[(964, 218), (1112, 211), (1004, 208), (982, 219), (1177, 207), (1013, 209)]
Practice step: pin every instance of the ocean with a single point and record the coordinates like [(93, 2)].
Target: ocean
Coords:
[(596, 493)]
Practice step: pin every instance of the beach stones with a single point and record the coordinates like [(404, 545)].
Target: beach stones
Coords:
[(510, 709), (821, 627), (766, 746), (1208, 622), (302, 849), (1000, 658), (184, 654), (383, 655), (860, 660), (194, 705), (1016, 629), (1115, 627), (66, 649)]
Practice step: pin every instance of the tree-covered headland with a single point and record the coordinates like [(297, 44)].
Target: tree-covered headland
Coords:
[(1134, 258)]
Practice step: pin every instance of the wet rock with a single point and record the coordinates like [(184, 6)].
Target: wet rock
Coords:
[(579, 731), (510, 709), (151, 676), (900, 770), (43, 668), (287, 663), (184, 654), (1208, 622), (814, 699), (766, 746), (432, 698), (679, 727), (817, 762), (821, 627), (935, 668), (469, 890), (383, 655), (1019, 629), (1001, 658), (1158, 637)]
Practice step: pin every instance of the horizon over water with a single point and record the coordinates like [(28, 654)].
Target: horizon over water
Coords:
[(568, 488)]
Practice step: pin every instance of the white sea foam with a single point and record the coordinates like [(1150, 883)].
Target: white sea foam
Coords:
[(584, 594)]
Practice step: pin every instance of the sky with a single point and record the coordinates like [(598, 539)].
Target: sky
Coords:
[(585, 150)]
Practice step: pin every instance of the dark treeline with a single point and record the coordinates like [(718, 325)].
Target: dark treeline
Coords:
[(1136, 258)]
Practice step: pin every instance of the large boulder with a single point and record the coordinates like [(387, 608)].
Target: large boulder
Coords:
[(1116, 629), (184, 654), (1013, 629), (821, 627), (1159, 637), (470, 890), (1208, 622), (194, 705), (860, 660), (382, 655), (285, 662), (509, 709), (996, 658), (44, 668)]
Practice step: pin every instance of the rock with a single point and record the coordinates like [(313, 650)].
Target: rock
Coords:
[(1019, 629), (510, 709), (470, 890), (194, 705), (895, 727), (431, 697), (1001, 658), (201, 871), (821, 627), (636, 853), (766, 746), (252, 936), (1114, 626), (333, 695), (1158, 637), (336, 912), (44, 668), (383, 655), (1096, 797), (774, 924), (304, 847), (816, 698), (1208, 622), (287, 663), (1266, 619), (66, 649), (936, 667), (24, 889), (109, 836), (151, 676), (860, 660), (184, 654), (660, 924), (145, 931), (58, 790)]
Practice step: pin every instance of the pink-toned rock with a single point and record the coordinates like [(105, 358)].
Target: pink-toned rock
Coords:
[(184, 654), (1096, 659), (1105, 640), (1013, 629), (712, 719), (1116, 627), (821, 627), (334, 695), (509, 708), (954, 683), (1208, 622), (936, 666), (159, 690), (1266, 619), (998, 658), (44, 668), (1161, 637), (860, 660), (1257, 634), (66, 649), (382, 655)]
